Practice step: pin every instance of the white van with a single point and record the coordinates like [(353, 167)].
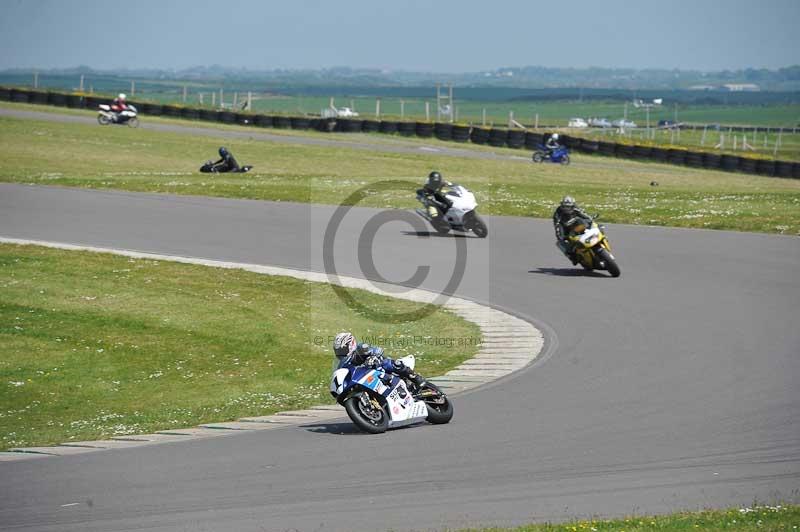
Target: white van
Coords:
[(577, 122)]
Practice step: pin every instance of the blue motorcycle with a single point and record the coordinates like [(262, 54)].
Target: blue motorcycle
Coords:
[(376, 400), (559, 155)]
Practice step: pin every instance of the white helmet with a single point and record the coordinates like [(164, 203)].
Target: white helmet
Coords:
[(121, 96), (554, 136), (344, 344)]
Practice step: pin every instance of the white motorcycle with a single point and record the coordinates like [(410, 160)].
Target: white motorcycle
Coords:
[(106, 116), (461, 216)]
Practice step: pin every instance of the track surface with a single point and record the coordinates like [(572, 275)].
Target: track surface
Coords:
[(672, 387)]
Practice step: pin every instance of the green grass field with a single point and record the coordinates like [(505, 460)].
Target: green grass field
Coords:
[(96, 345), (758, 517), (39, 152)]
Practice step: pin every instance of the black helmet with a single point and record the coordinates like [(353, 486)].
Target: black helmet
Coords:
[(344, 344), (568, 204), (434, 181), (223, 151)]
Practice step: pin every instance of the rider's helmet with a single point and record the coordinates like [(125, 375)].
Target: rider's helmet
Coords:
[(554, 136), (121, 96), (434, 182), (223, 151), (567, 204), (344, 344)]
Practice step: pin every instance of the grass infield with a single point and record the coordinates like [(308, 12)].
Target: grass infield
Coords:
[(97, 345)]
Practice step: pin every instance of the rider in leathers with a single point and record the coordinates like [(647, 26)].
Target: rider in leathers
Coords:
[(351, 353), (435, 190), (565, 212)]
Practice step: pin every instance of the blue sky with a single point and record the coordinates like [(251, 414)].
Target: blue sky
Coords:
[(443, 36)]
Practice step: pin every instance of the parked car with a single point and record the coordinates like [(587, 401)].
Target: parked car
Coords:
[(345, 112), (599, 122), (577, 122), (667, 124), (623, 123)]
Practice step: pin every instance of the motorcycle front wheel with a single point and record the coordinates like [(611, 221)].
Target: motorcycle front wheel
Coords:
[(565, 160), (611, 264), (365, 414), (538, 157), (440, 409), (103, 120), (479, 227), (133, 122)]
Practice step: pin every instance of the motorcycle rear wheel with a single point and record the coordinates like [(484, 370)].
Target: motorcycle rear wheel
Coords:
[(364, 414), (440, 409)]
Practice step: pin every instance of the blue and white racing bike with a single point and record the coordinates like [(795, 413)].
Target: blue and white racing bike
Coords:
[(377, 400)]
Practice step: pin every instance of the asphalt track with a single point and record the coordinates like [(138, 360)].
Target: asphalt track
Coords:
[(672, 387)]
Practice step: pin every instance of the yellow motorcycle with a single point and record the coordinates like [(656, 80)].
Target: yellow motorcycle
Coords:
[(591, 246)]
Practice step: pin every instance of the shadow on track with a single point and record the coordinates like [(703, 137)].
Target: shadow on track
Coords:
[(568, 272), (339, 429), (434, 233)]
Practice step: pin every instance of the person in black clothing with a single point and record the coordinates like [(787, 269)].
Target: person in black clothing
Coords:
[(226, 162), (568, 210), (435, 189)]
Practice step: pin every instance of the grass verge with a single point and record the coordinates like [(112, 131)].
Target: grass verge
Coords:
[(96, 345), (760, 518), (40, 152)]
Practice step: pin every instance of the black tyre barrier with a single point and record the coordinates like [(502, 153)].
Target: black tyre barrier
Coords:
[(190, 113), (747, 165), (729, 163), (606, 148), (299, 122), (407, 129), (498, 137), (783, 169), (624, 151), (461, 133), (424, 129), (174, 110), (573, 143), (37, 97), (326, 125), (57, 98), (796, 170), (675, 156), (281, 122), (694, 159), (479, 135), (589, 146), (712, 161), (5, 94), (20, 96), (642, 152), (387, 127), (153, 109), (764, 167), (74, 101), (263, 121), (443, 131), (348, 125), (659, 154), (369, 126), (209, 115), (532, 140), (226, 117), (516, 139), (91, 102)]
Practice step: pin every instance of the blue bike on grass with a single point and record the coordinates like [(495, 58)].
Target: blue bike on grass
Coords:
[(559, 155)]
